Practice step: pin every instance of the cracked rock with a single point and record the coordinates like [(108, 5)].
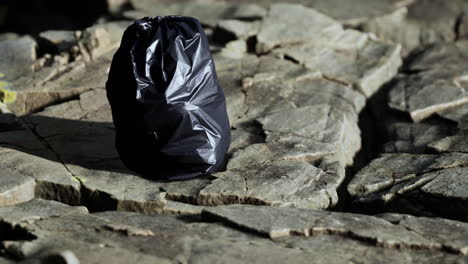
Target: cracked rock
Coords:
[(436, 83), (30, 169), (419, 23), (414, 183), (321, 44), (284, 222), (297, 24), (429, 92), (240, 232), (252, 185)]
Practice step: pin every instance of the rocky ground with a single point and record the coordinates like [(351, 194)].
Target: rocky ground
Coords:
[(350, 140)]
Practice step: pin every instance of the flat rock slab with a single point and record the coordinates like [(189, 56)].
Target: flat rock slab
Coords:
[(321, 44), (429, 92), (30, 169), (284, 222), (438, 81), (431, 184), (245, 234)]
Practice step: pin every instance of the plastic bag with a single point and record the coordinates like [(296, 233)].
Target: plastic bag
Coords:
[(168, 109)]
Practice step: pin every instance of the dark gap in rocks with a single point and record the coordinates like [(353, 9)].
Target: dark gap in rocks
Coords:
[(458, 22), (251, 44), (190, 219), (370, 146), (97, 201), (215, 200), (47, 48), (35, 16), (14, 233), (413, 56), (221, 36), (372, 120), (254, 127), (259, 131), (208, 217), (44, 47), (291, 59)]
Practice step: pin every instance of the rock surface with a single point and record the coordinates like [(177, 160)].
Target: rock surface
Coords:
[(325, 47), (324, 237), (323, 121), (416, 183), (419, 23), (55, 78)]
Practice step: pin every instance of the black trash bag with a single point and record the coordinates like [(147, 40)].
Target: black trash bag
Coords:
[(168, 109)]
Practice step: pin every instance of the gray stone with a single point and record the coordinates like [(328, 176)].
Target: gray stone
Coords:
[(330, 126), (429, 92), (321, 47), (296, 235), (281, 222), (240, 138), (298, 184), (234, 49), (367, 64), (418, 181), (287, 24), (18, 56), (253, 154), (57, 83), (35, 210), (456, 143), (422, 22), (30, 169), (104, 39)]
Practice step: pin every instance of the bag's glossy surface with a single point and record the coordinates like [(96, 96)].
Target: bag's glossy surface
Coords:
[(168, 108)]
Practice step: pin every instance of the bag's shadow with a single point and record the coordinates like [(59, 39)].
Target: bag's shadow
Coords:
[(87, 144)]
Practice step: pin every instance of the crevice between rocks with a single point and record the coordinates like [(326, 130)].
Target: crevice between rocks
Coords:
[(371, 144), (458, 22)]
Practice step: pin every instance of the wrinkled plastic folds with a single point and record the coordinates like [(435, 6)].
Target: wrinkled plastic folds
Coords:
[(168, 109)]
